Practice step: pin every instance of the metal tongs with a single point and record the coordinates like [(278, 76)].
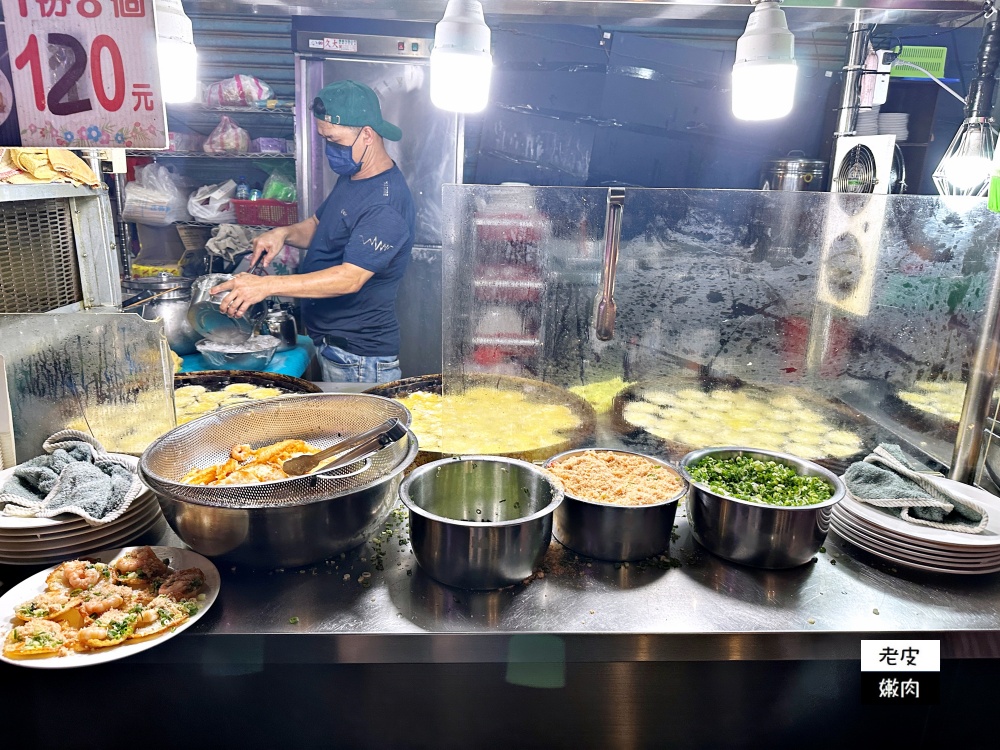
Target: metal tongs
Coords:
[(352, 449)]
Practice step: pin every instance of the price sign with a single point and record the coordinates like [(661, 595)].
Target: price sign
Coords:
[(85, 73)]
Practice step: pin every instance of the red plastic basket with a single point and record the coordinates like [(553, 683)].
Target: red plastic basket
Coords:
[(266, 213)]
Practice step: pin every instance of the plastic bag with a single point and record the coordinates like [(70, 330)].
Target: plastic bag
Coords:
[(155, 198), (279, 188), (228, 137), (240, 90), (211, 203)]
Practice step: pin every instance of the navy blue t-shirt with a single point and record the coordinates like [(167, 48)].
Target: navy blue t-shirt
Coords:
[(369, 223)]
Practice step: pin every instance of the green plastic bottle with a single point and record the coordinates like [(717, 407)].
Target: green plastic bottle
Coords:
[(993, 196)]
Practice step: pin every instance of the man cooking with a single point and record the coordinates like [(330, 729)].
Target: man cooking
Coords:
[(358, 245)]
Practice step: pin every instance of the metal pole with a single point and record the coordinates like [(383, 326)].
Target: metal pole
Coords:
[(460, 149), (125, 231), (979, 392), (857, 52)]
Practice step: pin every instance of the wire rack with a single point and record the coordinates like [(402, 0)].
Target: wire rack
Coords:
[(203, 155)]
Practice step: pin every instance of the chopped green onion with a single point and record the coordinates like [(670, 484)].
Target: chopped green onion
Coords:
[(756, 481)]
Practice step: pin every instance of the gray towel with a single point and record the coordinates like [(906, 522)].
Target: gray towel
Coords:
[(887, 479), (75, 476)]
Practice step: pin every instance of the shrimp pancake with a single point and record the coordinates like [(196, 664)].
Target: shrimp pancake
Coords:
[(35, 638), (160, 614)]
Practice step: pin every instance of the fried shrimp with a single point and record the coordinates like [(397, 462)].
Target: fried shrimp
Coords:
[(80, 574), (102, 598), (249, 466)]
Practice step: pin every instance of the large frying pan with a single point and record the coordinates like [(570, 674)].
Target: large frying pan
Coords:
[(215, 380), (534, 390)]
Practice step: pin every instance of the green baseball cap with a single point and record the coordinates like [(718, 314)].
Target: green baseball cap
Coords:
[(354, 105)]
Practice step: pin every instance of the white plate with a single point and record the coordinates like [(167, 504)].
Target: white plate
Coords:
[(880, 534), (96, 539), (54, 556), (918, 566), (179, 559), (852, 534), (937, 537), (140, 507), (12, 522)]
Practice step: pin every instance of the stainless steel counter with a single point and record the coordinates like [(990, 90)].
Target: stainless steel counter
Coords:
[(687, 606)]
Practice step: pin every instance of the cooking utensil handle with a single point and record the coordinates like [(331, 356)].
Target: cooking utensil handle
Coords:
[(604, 322), (372, 445), (146, 296), (256, 263)]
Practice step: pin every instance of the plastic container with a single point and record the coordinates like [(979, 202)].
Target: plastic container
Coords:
[(268, 145), (265, 213), (242, 189)]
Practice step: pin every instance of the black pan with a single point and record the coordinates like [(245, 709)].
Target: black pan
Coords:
[(215, 380)]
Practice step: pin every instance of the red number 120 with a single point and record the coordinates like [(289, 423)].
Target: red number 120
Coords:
[(57, 103)]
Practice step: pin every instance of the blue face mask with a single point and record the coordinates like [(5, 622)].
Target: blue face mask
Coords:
[(341, 158)]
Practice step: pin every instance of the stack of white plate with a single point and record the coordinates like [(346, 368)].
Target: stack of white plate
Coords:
[(923, 547), (894, 123), (867, 122), (43, 541)]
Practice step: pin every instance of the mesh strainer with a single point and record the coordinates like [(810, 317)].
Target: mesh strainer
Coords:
[(320, 419)]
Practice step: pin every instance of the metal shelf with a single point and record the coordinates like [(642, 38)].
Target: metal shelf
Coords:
[(239, 110), (209, 225), (202, 155), (49, 190)]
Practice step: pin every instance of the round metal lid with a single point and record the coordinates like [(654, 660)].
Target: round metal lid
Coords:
[(157, 283), (797, 164)]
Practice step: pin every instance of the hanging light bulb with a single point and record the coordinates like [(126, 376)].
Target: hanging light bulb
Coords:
[(967, 164), (461, 63), (764, 73), (966, 168), (175, 50)]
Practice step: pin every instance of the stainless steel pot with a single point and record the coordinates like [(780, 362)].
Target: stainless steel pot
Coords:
[(171, 307), (206, 318), (765, 536), (793, 173), (480, 522), (615, 532)]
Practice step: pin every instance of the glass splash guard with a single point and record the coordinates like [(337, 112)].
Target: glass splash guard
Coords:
[(814, 323)]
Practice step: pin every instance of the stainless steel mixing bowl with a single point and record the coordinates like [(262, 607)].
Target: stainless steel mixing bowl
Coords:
[(289, 522), (480, 522), (615, 532), (765, 536)]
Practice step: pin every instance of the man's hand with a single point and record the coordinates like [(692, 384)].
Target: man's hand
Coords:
[(268, 244), (244, 290)]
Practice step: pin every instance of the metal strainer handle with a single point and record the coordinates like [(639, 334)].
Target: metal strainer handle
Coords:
[(353, 449)]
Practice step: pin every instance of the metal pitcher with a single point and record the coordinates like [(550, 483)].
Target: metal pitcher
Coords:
[(281, 325)]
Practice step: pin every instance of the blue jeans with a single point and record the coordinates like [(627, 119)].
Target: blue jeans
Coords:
[(341, 366)]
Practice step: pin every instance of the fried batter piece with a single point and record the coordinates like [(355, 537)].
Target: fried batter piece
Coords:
[(249, 466)]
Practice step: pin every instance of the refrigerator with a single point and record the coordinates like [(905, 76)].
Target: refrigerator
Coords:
[(393, 58)]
